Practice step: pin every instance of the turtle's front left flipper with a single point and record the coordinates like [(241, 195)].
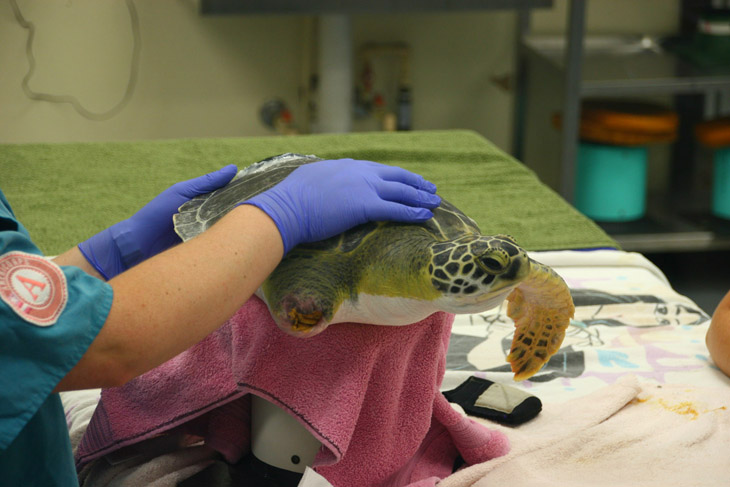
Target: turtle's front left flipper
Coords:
[(541, 307), (306, 289)]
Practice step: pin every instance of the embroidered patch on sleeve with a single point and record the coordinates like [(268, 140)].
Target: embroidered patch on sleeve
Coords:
[(34, 287)]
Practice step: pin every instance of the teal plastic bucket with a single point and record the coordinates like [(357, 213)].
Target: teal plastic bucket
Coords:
[(610, 182), (721, 183)]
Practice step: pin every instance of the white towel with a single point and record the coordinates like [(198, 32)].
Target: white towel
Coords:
[(628, 433)]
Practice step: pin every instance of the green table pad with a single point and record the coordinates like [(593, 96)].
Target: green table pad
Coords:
[(64, 193)]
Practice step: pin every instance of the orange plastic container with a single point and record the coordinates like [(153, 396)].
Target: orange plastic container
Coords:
[(715, 134), (626, 123), (611, 167)]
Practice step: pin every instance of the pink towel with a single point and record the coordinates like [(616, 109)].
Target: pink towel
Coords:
[(369, 394)]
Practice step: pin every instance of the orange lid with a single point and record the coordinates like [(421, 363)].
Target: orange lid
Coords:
[(714, 133), (622, 122), (630, 116)]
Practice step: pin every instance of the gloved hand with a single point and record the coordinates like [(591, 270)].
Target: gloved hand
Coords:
[(150, 230), (324, 198)]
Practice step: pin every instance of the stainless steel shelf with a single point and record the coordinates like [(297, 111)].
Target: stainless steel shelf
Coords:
[(231, 7), (671, 233), (622, 66), (670, 242)]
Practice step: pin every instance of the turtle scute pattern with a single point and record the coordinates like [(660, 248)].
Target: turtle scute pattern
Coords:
[(541, 308)]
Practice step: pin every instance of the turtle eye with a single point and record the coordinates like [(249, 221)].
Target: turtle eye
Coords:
[(492, 264), (495, 261)]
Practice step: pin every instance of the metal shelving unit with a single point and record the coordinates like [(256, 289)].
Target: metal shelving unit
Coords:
[(669, 233), (619, 68), (228, 7), (631, 66)]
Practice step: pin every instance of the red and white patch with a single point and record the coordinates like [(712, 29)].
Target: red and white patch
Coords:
[(34, 287)]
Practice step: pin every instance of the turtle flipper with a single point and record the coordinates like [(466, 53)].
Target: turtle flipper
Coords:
[(541, 307), (296, 312), (305, 290), (300, 322)]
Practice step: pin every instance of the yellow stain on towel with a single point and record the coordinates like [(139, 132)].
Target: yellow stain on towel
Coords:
[(684, 408)]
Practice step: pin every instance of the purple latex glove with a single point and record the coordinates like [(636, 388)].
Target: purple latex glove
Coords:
[(150, 230), (324, 198)]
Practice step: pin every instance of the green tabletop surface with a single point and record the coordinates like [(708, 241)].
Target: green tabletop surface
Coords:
[(64, 193)]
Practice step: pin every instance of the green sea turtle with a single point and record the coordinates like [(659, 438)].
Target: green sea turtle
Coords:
[(390, 273)]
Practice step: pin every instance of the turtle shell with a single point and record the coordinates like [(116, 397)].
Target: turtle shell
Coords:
[(198, 214)]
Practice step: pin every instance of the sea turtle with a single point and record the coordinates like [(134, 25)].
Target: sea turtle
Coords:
[(390, 273)]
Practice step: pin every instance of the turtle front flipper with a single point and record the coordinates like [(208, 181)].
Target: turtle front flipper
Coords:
[(302, 322), (541, 307), (305, 291), (297, 311)]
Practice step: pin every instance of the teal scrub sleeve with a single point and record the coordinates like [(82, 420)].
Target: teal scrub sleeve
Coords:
[(49, 315), (41, 454)]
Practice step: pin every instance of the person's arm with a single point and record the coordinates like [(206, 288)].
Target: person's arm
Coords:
[(74, 257), (718, 335), (172, 301), (150, 230)]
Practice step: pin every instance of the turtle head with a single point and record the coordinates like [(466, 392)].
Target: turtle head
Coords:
[(476, 273)]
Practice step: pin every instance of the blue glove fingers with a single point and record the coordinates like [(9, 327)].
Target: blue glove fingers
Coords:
[(325, 198), (394, 173), (150, 230), (205, 183), (407, 195), (398, 174), (387, 210)]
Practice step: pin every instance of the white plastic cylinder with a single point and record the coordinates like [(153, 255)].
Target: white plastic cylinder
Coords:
[(334, 107), (278, 439)]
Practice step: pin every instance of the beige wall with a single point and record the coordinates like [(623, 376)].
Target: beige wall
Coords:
[(198, 76), (208, 76)]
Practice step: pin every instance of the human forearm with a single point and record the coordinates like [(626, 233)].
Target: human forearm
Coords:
[(74, 257), (170, 302), (718, 335)]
